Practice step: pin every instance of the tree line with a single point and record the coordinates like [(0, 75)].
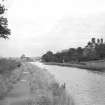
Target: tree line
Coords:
[(79, 54)]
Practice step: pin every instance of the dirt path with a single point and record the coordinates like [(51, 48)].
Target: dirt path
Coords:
[(21, 91)]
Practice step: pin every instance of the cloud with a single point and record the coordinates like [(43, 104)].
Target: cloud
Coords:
[(78, 30), (41, 25)]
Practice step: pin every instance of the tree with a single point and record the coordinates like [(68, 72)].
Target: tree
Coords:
[(79, 51), (4, 31), (100, 50), (59, 57), (72, 54), (48, 57)]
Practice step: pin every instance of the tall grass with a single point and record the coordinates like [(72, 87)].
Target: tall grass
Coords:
[(8, 65), (8, 75), (46, 90)]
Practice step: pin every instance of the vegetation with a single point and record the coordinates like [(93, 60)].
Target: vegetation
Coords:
[(8, 65), (45, 90), (42, 89), (4, 31), (93, 51), (8, 75)]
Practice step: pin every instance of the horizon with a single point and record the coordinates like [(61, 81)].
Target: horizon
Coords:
[(57, 50), (40, 26)]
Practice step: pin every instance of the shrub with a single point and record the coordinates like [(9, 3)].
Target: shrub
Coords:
[(8, 75), (8, 65)]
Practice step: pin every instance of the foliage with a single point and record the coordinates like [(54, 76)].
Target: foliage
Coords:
[(48, 56), (8, 75), (69, 55), (76, 54), (100, 49), (8, 65), (4, 31)]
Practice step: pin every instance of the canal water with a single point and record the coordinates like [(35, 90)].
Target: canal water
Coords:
[(86, 88)]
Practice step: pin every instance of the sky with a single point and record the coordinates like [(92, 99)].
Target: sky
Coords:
[(38, 26)]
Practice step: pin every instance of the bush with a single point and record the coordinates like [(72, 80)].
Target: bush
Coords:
[(8, 75), (8, 65)]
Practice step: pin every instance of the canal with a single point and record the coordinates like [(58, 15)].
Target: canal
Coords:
[(86, 88)]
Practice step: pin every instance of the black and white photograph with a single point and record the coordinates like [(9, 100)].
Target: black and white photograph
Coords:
[(52, 52)]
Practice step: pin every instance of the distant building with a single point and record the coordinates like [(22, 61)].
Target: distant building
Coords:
[(37, 58), (25, 58)]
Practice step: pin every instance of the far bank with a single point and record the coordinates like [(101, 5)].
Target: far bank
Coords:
[(98, 65)]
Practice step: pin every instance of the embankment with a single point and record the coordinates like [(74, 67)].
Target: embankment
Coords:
[(93, 65)]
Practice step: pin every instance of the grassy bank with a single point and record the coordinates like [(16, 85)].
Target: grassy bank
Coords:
[(8, 75), (92, 65), (45, 89), (40, 88)]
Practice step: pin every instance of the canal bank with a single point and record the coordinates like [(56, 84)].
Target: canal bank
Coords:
[(92, 65)]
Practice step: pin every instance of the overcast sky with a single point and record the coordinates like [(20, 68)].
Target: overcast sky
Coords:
[(41, 25)]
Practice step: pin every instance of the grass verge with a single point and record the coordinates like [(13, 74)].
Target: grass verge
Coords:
[(8, 75), (46, 90)]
